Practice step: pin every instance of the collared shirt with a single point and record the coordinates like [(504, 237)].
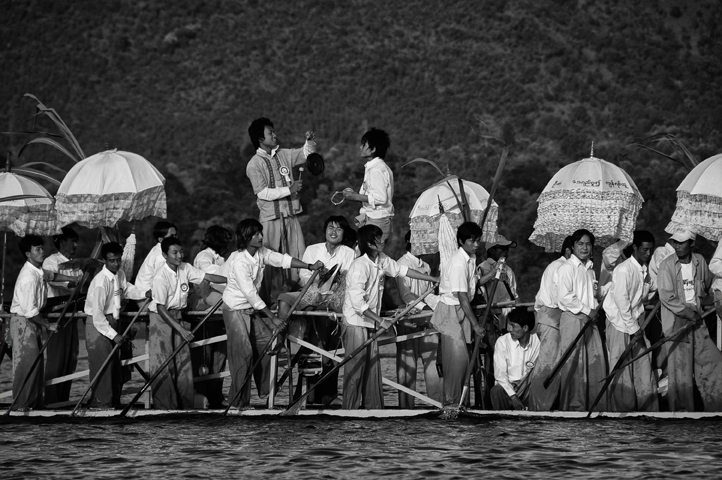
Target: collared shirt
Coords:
[(210, 262), (268, 184), (31, 292), (378, 186), (171, 288), (458, 276), (245, 275), (365, 287), (501, 294), (576, 286), (52, 264), (152, 263), (342, 256), (104, 298), (624, 303), (411, 288), (715, 266), (512, 362), (660, 253), (612, 256), (548, 289), (671, 289)]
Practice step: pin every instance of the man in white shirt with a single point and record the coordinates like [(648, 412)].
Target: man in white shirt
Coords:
[(576, 293), (425, 348), (154, 260), (377, 191), (683, 282), (270, 171), (103, 306), (634, 388), (548, 315), (247, 332), (361, 308), (612, 256), (173, 389), (63, 347), (715, 267), (515, 356)]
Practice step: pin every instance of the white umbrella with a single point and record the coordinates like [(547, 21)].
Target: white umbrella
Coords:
[(427, 211), (699, 201), (593, 194), (108, 187)]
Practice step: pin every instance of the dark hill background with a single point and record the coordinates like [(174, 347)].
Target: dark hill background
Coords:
[(179, 81)]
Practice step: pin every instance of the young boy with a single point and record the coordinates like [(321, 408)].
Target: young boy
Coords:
[(173, 389), (103, 306), (377, 191), (247, 332), (453, 316), (506, 289), (154, 260), (364, 290)]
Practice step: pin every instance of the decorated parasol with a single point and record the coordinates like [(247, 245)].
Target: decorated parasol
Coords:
[(108, 187), (593, 194), (699, 201), (445, 198)]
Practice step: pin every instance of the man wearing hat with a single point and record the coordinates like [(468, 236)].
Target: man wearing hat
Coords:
[(271, 173), (497, 252), (684, 281)]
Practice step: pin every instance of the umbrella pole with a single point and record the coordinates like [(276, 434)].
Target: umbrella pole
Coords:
[(2, 281)]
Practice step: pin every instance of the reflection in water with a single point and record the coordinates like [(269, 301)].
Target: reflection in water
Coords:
[(336, 448)]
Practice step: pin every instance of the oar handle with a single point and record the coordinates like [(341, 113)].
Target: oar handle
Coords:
[(265, 350), (568, 352), (160, 369), (110, 357), (292, 411)]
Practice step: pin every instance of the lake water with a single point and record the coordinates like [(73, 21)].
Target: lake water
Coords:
[(209, 446)]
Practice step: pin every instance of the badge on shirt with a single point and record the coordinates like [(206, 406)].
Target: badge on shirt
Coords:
[(529, 364), (184, 287)]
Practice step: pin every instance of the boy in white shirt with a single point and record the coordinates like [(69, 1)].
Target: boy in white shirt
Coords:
[(377, 192), (173, 389), (103, 305), (154, 260)]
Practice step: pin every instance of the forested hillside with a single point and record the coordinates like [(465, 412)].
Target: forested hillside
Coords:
[(179, 81)]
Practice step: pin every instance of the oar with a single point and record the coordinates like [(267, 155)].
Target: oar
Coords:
[(296, 405), (16, 395), (249, 373), (160, 369), (568, 353), (660, 342), (477, 341), (626, 351), (110, 357)]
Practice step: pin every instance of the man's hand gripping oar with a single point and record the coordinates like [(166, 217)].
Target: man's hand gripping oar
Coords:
[(268, 346), (162, 367), (294, 408), (110, 357)]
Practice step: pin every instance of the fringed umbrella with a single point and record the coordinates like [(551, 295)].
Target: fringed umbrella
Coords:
[(699, 201), (446, 196), (593, 194), (108, 187)]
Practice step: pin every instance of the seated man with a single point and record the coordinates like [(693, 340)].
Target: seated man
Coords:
[(514, 357)]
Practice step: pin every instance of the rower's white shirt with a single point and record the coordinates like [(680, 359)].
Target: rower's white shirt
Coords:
[(171, 288), (30, 293), (512, 361), (378, 186), (365, 287), (152, 263), (612, 256), (715, 266), (413, 285), (342, 256), (210, 262), (104, 298), (576, 284), (660, 253), (624, 303), (548, 289), (52, 264), (245, 275), (458, 276)]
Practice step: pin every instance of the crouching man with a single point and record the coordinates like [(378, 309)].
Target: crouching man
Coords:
[(515, 354)]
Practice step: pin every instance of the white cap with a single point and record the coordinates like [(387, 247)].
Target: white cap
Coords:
[(683, 235)]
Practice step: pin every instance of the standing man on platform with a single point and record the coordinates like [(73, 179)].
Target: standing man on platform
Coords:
[(634, 388), (271, 173), (715, 266), (683, 282), (547, 315), (377, 190)]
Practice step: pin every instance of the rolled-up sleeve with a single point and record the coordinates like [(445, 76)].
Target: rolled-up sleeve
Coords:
[(276, 259), (567, 298), (244, 276), (100, 322), (376, 188), (621, 294), (501, 361), (356, 288), (27, 296)]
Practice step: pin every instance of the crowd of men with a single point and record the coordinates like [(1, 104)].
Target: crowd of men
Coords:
[(557, 356)]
